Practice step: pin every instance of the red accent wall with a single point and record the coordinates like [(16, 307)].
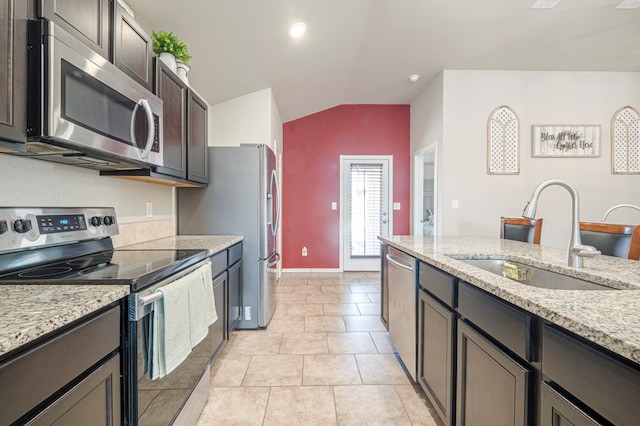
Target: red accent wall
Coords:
[(312, 146)]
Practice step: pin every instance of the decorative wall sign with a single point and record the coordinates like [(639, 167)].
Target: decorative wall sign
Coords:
[(625, 141), (503, 139), (564, 140)]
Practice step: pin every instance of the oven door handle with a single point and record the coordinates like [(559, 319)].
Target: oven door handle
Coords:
[(139, 302), (150, 127)]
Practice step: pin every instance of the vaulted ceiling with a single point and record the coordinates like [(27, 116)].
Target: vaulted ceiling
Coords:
[(363, 51)]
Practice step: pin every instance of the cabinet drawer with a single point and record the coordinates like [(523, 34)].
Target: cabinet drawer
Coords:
[(34, 376), (438, 283), (603, 383), (219, 263), (235, 253), (507, 324)]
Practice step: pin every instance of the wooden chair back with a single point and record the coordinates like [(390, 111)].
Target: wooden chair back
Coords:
[(612, 239), (521, 229)]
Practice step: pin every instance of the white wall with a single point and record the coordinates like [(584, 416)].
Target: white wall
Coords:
[(426, 128), (29, 182), (537, 98), (247, 119)]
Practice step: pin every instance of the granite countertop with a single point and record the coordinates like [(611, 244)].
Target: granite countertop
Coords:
[(609, 318), (213, 243), (30, 311)]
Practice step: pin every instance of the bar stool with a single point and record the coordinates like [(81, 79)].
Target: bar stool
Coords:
[(612, 239), (521, 229)]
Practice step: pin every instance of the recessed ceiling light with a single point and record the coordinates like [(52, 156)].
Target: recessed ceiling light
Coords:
[(545, 4), (629, 4), (296, 30), (414, 78)]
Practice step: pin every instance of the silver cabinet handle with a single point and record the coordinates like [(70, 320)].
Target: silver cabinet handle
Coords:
[(399, 264)]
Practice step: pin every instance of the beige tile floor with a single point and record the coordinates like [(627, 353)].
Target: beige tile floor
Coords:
[(325, 359)]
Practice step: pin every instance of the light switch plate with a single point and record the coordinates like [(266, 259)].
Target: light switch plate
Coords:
[(396, 206), (334, 205)]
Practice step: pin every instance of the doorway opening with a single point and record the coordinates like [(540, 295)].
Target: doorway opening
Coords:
[(425, 186), (366, 193)]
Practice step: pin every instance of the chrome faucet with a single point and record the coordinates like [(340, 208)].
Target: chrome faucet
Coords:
[(577, 250), (617, 207)]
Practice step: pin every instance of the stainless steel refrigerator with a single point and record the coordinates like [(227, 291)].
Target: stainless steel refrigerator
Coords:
[(242, 198)]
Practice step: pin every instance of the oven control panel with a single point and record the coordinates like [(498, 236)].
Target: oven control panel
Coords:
[(31, 227)]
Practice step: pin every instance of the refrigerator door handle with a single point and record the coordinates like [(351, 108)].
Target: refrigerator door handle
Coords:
[(276, 222), (273, 259)]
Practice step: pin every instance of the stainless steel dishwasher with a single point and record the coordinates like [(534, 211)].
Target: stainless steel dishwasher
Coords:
[(402, 307)]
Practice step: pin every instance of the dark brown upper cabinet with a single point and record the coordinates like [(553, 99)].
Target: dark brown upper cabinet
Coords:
[(184, 135), (88, 20), (132, 48), (173, 93), (197, 138), (13, 72)]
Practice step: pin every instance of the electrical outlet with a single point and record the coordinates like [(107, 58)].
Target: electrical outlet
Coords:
[(304, 251), (455, 205), (149, 209), (247, 313)]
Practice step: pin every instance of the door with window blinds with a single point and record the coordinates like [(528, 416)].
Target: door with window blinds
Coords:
[(365, 211)]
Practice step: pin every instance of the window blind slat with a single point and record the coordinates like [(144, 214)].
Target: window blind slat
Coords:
[(366, 208)]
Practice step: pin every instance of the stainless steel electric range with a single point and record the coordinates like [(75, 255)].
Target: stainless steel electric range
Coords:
[(73, 246)]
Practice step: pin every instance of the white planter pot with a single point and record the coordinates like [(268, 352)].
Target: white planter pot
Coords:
[(183, 69), (170, 60)]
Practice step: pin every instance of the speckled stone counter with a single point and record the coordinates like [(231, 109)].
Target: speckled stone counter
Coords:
[(213, 243), (30, 311), (609, 318)]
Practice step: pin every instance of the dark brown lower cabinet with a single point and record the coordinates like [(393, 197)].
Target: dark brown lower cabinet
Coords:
[(235, 297), (556, 410), (492, 387), (93, 401), (436, 339), (218, 332)]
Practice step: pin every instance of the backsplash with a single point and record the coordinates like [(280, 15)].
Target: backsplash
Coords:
[(139, 232)]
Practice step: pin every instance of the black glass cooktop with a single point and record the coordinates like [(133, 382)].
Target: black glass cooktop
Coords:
[(137, 268)]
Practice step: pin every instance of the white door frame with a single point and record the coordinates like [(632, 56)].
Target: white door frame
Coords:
[(418, 189), (343, 159)]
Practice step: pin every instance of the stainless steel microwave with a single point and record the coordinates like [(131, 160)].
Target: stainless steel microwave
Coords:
[(83, 110)]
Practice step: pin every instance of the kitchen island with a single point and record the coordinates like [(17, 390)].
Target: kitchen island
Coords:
[(492, 350), (608, 318)]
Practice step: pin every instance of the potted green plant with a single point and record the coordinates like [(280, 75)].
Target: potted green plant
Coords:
[(170, 48)]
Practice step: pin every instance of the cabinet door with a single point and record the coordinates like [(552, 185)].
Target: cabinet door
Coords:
[(218, 328), (132, 48), (235, 297), (556, 410), (197, 169), (435, 354), (492, 388), (93, 401), (87, 20), (173, 93), (13, 71)]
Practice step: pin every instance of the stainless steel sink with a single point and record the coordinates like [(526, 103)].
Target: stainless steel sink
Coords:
[(532, 276)]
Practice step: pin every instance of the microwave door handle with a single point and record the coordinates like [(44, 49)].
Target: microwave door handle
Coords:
[(149, 114)]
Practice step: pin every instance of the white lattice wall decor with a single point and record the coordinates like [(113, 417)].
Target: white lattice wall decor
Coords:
[(503, 136), (625, 141)]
